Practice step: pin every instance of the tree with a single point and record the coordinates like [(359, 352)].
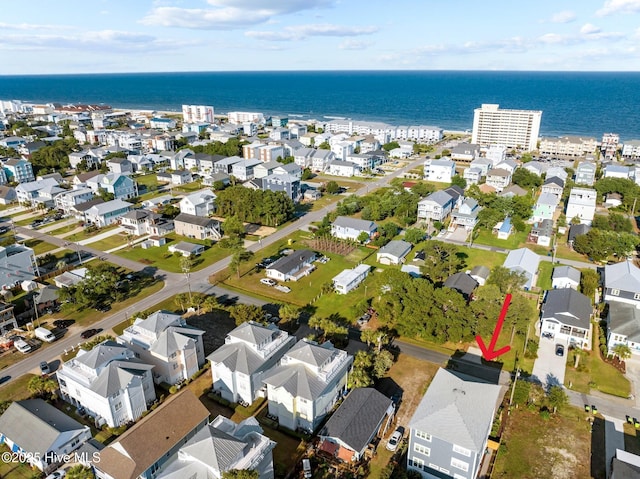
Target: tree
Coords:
[(392, 145), (232, 226), (363, 237), (239, 256), (210, 303), (458, 180), (324, 146), (613, 222), (441, 260), (414, 235), (40, 386), (506, 280), (557, 398), (181, 300), (79, 472), (241, 313), (622, 351), (526, 179), (306, 174), (332, 187), (382, 362), (288, 312), (589, 282)]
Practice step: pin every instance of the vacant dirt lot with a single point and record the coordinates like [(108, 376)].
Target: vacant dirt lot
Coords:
[(532, 447), (217, 325)]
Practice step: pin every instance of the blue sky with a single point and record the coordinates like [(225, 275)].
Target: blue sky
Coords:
[(70, 36)]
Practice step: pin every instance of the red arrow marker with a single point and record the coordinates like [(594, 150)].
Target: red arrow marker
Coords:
[(489, 353)]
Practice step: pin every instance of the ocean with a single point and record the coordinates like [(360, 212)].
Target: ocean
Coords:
[(573, 103)]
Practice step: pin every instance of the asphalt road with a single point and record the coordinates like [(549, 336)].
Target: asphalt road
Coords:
[(174, 282)]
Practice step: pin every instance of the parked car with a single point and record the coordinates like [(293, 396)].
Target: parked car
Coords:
[(63, 323), (559, 350), (4, 379), (44, 367), (396, 437), (88, 333), (306, 468), (268, 282)]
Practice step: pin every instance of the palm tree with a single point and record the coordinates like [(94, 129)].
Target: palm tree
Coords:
[(622, 351), (181, 300), (209, 304)]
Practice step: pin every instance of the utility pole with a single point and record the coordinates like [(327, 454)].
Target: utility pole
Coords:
[(513, 389)]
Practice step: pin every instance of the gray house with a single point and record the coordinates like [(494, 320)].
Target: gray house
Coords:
[(565, 277), (394, 252), (462, 283), (292, 267), (348, 228), (362, 416), (449, 429), (566, 315), (525, 261), (289, 184), (41, 433), (586, 173), (622, 283)]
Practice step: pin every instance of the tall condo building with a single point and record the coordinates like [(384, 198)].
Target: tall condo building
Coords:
[(511, 128), (197, 113)]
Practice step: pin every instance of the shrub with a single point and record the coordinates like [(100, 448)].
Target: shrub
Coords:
[(173, 389)]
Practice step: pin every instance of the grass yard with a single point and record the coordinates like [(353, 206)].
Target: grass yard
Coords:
[(83, 235), (478, 257), (513, 242), (595, 373), (110, 242), (39, 247), (16, 390), (544, 274), (64, 229), (163, 259), (532, 447), (16, 470), (29, 220), (146, 180), (188, 188)]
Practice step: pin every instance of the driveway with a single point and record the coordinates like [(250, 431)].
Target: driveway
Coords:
[(633, 375), (549, 368)]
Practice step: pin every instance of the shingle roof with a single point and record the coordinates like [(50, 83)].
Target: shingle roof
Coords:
[(196, 220), (357, 419), (461, 282), (355, 223), (568, 306), (288, 263), (35, 425), (624, 318), (397, 248), (623, 276), (451, 410), (577, 230), (481, 272), (439, 197), (153, 436), (566, 272)]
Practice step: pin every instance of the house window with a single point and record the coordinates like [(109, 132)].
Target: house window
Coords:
[(419, 448), (636, 296), (615, 292), (423, 435), (416, 462), (459, 464), (118, 406), (461, 450)]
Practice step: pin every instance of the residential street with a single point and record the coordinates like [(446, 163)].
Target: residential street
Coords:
[(174, 282)]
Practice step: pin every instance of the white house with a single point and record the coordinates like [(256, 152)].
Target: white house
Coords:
[(292, 267), (466, 215), (166, 340), (566, 314), (238, 366), (342, 168), (498, 178), (109, 382), (17, 264), (322, 159), (143, 222), (394, 252), (306, 384), (623, 326), (66, 200), (223, 446), (104, 214), (616, 171), (349, 279), (348, 228), (440, 171), (622, 283), (582, 205), (565, 277), (200, 203), (585, 173), (472, 175), (41, 434)]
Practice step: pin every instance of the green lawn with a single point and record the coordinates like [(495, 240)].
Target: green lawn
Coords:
[(544, 274), (16, 390), (594, 373), (163, 259), (478, 257), (83, 235), (64, 229), (188, 188), (146, 180), (513, 242), (15, 470), (110, 242), (39, 246), (29, 220)]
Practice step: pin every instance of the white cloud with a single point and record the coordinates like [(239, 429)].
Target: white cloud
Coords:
[(300, 32), (31, 26), (588, 29), (554, 39), (611, 7), (228, 14), (102, 40), (354, 45), (565, 16)]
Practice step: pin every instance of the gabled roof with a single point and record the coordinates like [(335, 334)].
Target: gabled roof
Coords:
[(396, 248), (202, 221), (577, 230), (439, 197), (35, 425), (522, 258), (567, 306), (452, 411), (500, 172), (357, 419), (117, 376), (624, 276), (289, 263), (624, 318), (461, 282), (355, 223), (152, 437), (100, 354), (566, 272), (174, 339), (513, 190), (481, 272), (109, 206)]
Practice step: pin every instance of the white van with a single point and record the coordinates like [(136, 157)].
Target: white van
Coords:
[(45, 335), (22, 346), (306, 468)]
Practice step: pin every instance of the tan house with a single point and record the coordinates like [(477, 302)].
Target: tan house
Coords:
[(197, 227)]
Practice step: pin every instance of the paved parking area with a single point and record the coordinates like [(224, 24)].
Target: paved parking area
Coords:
[(549, 369)]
